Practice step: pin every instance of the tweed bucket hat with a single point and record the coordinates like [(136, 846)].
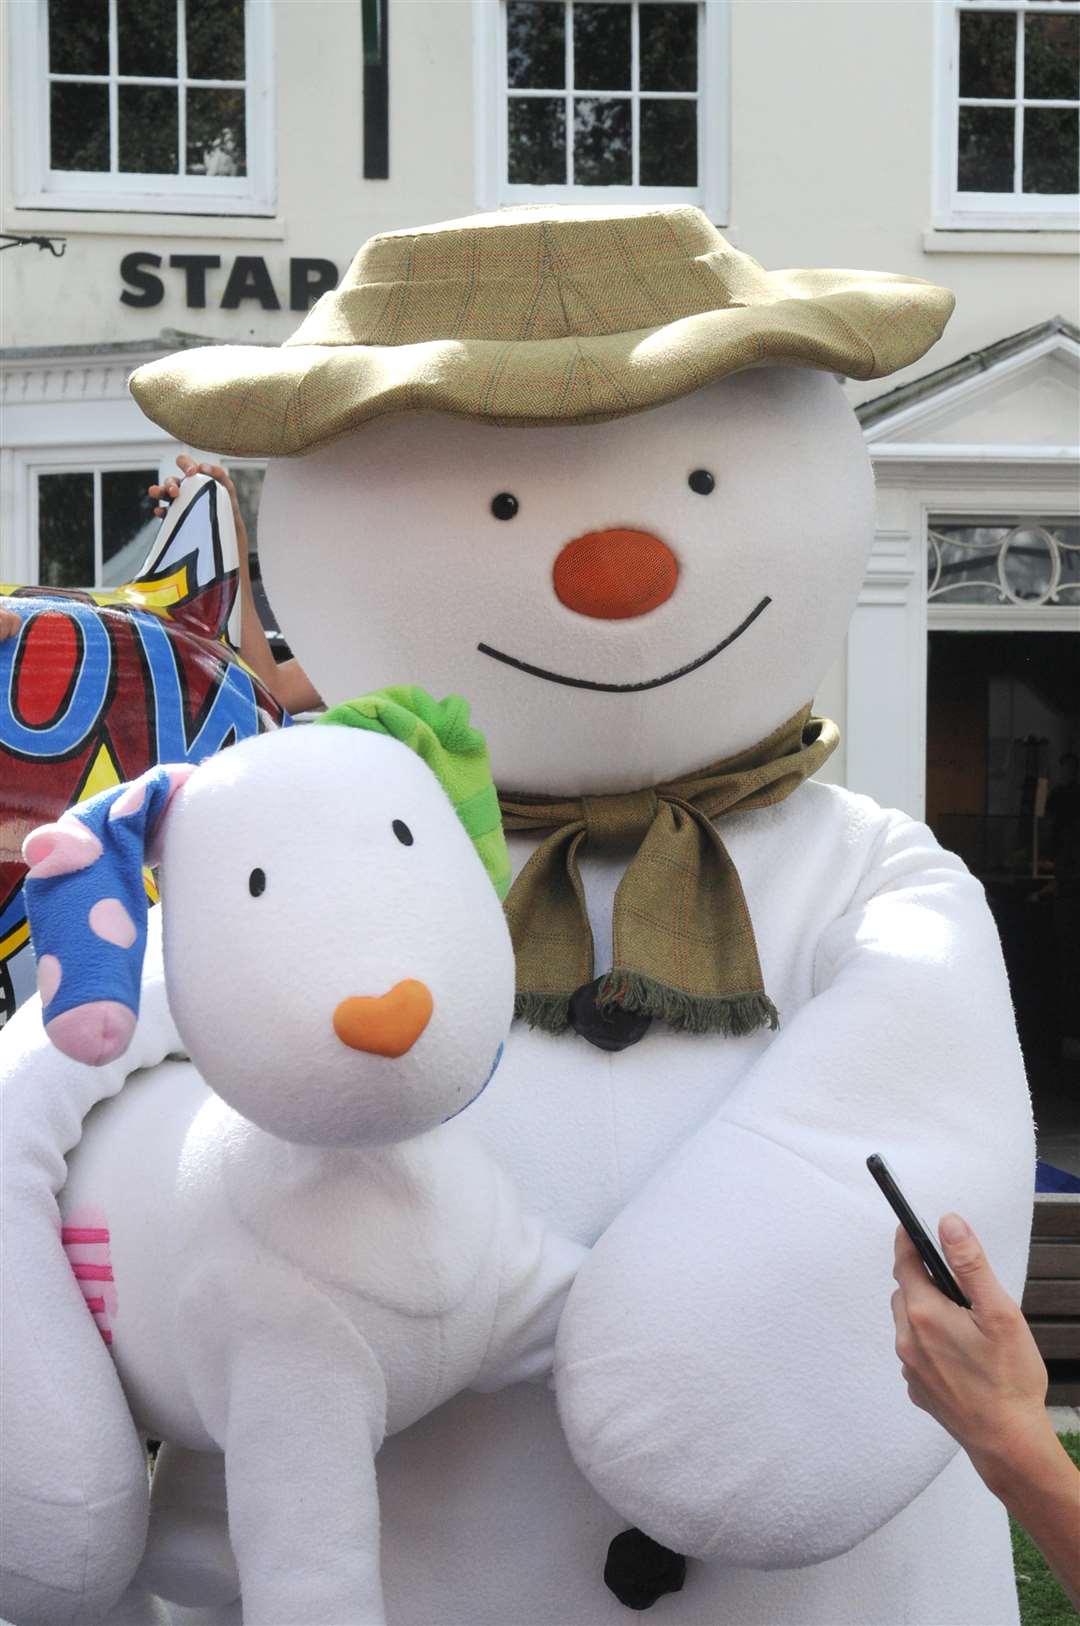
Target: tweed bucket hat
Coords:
[(536, 315)]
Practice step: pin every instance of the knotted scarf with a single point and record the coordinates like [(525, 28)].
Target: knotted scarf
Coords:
[(683, 946)]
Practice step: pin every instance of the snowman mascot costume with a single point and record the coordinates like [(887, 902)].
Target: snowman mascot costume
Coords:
[(592, 469)]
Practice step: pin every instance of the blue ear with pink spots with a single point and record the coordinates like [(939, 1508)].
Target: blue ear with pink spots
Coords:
[(86, 904)]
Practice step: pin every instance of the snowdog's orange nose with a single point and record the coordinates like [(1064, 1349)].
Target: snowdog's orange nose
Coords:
[(615, 574), (387, 1024)]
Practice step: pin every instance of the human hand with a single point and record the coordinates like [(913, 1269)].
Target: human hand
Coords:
[(9, 624), (169, 489), (978, 1372)]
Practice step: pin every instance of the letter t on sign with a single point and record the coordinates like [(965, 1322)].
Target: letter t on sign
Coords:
[(195, 267)]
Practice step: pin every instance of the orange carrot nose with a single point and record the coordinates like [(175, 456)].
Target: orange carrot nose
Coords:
[(615, 574), (386, 1025)]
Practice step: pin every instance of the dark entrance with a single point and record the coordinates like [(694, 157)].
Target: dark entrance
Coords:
[(1004, 714)]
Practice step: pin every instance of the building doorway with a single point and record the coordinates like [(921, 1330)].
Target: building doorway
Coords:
[(1003, 730)]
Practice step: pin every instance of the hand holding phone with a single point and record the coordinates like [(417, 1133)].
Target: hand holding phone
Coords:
[(939, 1272)]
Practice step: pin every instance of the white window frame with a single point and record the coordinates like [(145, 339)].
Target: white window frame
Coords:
[(988, 211), (491, 102), (37, 186), (79, 460)]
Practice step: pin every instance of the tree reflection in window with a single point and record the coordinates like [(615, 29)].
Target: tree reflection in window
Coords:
[(151, 87), (1018, 122), (1026, 563), (602, 93)]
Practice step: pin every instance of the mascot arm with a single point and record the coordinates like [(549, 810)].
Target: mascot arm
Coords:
[(293, 1393), (537, 1267), (725, 1365), (64, 1556)]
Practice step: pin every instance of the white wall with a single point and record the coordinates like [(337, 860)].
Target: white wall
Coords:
[(325, 207), (832, 134)]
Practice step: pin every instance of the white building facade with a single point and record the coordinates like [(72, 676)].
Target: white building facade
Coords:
[(200, 170)]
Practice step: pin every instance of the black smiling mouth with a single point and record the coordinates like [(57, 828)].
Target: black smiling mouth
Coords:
[(627, 688)]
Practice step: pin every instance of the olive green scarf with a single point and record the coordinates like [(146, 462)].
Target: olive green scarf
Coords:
[(682, 943)]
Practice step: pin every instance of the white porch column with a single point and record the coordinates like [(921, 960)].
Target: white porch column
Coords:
[(886, 664)]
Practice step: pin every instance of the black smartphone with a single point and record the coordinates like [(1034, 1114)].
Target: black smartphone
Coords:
[(940, 1274)]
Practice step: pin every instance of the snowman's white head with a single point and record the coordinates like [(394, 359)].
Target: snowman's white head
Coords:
[(620, 602), (336, 956)]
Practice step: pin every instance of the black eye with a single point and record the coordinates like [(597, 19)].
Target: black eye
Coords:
[(403, 833), (701, 481), (257, 883), (505, 505)]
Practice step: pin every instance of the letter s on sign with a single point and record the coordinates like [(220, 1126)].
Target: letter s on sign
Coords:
[(151, 289)]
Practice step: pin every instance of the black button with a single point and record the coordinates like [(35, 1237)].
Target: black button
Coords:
[(608, 1027), (639, 1570)]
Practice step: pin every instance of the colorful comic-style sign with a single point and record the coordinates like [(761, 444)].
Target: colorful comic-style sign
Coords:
[(96, 687)]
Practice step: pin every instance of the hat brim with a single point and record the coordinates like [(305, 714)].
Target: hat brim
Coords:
[(251, 401)]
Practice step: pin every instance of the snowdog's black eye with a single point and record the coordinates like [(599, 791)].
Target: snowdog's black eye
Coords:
[(505, 505), (403, 833), (257, 883), (701, 481)]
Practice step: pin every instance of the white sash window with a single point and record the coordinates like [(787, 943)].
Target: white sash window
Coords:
[(602, 100), (160, 105), (1008, 114)]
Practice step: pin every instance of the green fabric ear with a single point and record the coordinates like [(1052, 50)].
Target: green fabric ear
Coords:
[(439, 732)]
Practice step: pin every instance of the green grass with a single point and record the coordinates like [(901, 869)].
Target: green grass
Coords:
[(1042, 1602)]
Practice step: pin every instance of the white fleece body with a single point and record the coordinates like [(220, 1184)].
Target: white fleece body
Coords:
[(725, 1366), (725, 1370), (290, 1306), (726, 1374)]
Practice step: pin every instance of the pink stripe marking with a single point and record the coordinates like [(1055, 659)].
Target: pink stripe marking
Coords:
[(106, 1334), (92, 1273), (96, 1305), (83, 1233)]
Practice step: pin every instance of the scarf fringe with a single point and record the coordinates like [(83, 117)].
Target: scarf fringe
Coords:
[(733, 1015), (548, 1012)]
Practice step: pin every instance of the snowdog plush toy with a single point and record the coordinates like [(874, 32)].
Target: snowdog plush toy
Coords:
[(590, 467), (313, 1255)]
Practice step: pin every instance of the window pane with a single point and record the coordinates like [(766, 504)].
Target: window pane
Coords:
[(601, 46), (1028, 565), (146, 37), (985, 159), (215, 132), (249, 484), (537, 141), (215, 39), (962, 563), (987, 54), (78, 36), (1051, 149), (1068, 539), (602, 154), (66, 530), (148, 129), (535, 45), (668, 143), (127, 523), (668, 47), (79, 126), (1051, 58)]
